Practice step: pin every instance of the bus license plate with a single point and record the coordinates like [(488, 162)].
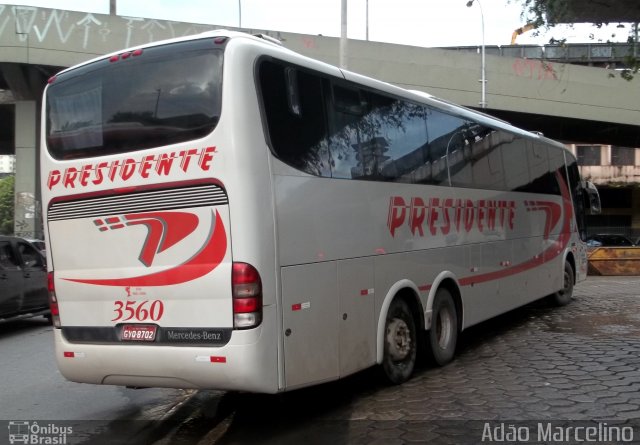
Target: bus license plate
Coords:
[(138, 332)]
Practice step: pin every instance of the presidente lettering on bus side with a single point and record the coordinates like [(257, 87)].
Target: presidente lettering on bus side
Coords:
[(444, 215), (125, 169)]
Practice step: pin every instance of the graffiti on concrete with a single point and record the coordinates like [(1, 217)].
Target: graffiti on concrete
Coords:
[(4, 19), (84, 30), (534, 69), (27, 214), (81, 33)]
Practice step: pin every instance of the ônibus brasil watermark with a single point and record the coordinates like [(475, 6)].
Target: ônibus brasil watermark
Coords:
[(34, 433), (552, 432)]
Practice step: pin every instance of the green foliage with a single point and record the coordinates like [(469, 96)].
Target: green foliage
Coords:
[(7, 186), (544, 14)]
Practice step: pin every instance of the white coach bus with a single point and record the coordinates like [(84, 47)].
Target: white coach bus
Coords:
[(222, 212)]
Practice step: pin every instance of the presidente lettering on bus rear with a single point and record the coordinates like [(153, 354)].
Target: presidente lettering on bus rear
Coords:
[(445, 215), (125, 169)]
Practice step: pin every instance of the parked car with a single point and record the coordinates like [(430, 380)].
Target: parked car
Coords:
[(23, 280), (609, 240)]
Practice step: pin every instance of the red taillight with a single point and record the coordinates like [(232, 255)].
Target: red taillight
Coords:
[(244, 305), (246, 289), (53, 300), (125, 55)]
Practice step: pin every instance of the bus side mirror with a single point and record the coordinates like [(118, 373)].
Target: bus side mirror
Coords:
[(593, 198)]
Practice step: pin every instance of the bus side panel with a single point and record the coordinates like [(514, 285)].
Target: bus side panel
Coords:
[(356, 293), (310, 323)]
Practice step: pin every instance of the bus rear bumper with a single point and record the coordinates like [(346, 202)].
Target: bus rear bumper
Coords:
[(248, 363)]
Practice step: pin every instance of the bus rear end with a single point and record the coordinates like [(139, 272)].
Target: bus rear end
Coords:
[(144, 287)]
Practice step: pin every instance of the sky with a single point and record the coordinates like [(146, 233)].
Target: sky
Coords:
[(426, 23)]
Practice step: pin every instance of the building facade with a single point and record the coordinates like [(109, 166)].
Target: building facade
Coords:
[(616, 172), (7, 165)]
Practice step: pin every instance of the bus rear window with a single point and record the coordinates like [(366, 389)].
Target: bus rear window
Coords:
[(165, 95)]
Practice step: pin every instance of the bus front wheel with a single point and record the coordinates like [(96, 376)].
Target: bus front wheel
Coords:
[(564, 295), (399, 357), (443, 335)]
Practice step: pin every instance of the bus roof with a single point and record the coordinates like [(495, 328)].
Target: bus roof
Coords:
[(275, 45)]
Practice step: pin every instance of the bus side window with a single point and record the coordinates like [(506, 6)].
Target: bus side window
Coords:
[(403, 127), (346, 132), (293, 93), (516, 164), (293, 108), (579, 197), (446, 134)]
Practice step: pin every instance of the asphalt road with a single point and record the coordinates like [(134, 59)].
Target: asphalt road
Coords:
[(33, 390)]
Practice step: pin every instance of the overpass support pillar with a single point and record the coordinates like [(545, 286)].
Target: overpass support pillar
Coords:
[(28, 214), (635, 210)]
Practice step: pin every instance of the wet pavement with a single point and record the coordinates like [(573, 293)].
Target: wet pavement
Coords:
[(552, 374)]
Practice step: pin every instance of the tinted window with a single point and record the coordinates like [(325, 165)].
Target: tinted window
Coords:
[(516, 163), (377, 137), (30, 256), (404, 124), (403, 128), (7, 258), (165, 95), (531, 167), (329, 127), (348, 142), (479, 163), (446, 138), (294, 112), (579, 199)]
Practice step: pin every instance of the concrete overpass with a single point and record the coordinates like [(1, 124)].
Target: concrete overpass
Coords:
[(567, 102)]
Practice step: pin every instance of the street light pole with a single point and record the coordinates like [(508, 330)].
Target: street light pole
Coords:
[(483, 80)]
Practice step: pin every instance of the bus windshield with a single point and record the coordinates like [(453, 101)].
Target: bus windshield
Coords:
[(137, 100)]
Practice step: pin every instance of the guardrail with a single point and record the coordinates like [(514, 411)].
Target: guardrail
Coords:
[(580, 53)]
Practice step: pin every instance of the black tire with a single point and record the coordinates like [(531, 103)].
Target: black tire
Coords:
[(443, 335), (400, 345), (564, 295)]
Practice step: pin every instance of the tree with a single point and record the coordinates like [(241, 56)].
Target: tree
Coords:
[(7, 186), (548, 13)]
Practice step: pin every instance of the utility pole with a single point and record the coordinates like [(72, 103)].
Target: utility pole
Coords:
[(483, 80), (343, 35), (367, 14)]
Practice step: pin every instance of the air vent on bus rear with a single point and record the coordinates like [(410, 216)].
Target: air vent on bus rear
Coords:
[(195, 196)]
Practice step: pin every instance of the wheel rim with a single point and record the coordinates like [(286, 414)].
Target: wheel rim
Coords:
[(567, 284), (444, 325), (398, 339)]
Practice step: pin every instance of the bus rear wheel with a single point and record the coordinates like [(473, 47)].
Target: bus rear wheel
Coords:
[(400, 347), (443, 335)]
